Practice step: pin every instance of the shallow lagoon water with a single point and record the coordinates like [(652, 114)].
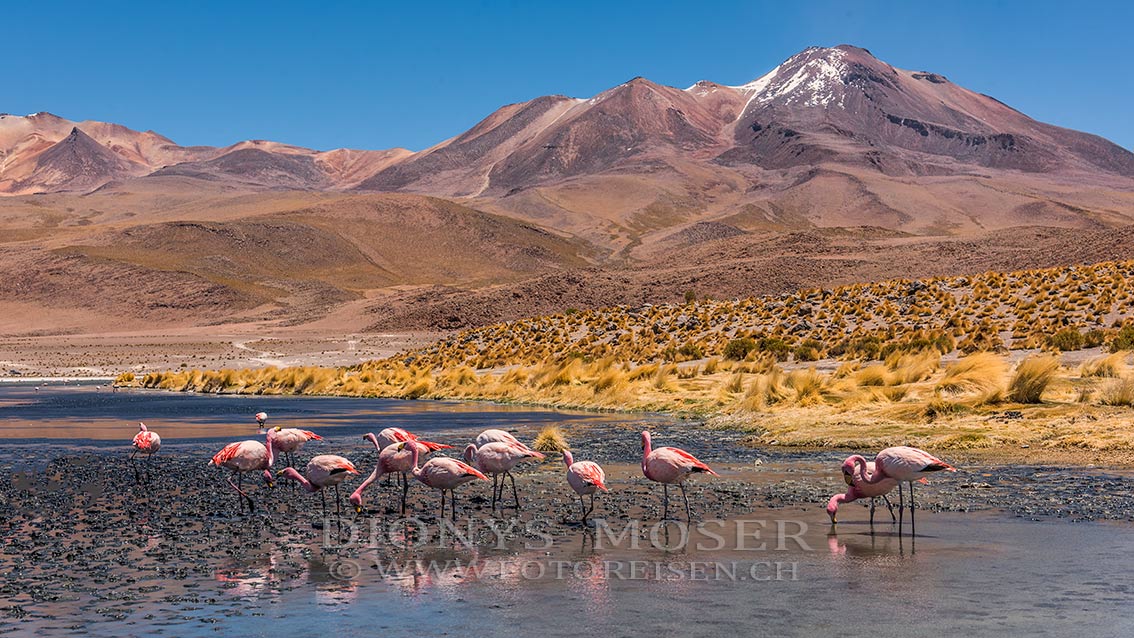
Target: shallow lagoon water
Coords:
[(981, 573)]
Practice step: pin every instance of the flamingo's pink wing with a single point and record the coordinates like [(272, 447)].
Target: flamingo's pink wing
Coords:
[(433, 447), (143, 440), (226, 453), (344, 465), (593, 475), (523, 449), (402, 435), (468, 469), (311, 435), (693, 460)]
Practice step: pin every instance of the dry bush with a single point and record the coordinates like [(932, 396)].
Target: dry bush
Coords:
[(643, 372), (1032, 377), (735, 383), (550, 439), (1111, 366), (980, 375), (914, 366), (808, 386), (765, 390), (565, 373), (663, 378), (613, 379), (711, 365), (418, 388), (1118, 392), (874, 375)]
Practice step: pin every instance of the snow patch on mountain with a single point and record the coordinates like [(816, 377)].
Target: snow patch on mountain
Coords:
[(813, 77)]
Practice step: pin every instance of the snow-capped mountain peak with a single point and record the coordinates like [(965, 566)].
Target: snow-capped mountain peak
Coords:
[(813, 77)]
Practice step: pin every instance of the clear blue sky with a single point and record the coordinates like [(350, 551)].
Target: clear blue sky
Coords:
[(370, 75)]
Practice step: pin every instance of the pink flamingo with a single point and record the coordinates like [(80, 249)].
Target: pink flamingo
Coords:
[(670, 465), (905, 465), (241, 457), (325, 470), (390, 436), (147, 443), (861, 489), (261, 419), (444, 474), (585, 477), (498, 458), (392, 459), (498, 436), (290, 440)]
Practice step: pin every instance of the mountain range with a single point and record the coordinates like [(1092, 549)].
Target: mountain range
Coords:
[(832, 145)]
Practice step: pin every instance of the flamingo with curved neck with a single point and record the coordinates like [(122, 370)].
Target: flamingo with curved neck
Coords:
[(498, 458), (391, 460), (858, 488), (323, 471), (585, 477), (903, 464)]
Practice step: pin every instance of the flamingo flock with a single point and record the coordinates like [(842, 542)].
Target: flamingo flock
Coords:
[(497, 452)]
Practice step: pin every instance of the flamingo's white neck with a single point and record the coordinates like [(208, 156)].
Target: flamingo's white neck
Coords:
[(271, 448), (299, 478), (415, 470), (568, 460)]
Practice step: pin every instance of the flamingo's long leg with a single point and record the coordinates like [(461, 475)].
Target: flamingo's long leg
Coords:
[(872, 503), (515, 496), (452, 505), (688, 516), (913, 508), (665, 501), (323, 495), (901, 509), (890, 506), (137, 479), (583, 509), (241, 496), (338, 504), (405, 491), (495, 479)]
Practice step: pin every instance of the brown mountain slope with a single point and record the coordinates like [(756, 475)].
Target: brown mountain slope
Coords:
[(111, 152), (280, 259)]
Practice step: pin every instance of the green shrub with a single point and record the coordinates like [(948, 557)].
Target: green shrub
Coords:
[(809, 350), (1066, 339), (774, 346), (738, 349), (1124, 340), (691, 351)]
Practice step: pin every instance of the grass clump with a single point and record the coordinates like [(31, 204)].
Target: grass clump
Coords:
[(1118, 392), (1109, 367), (1032, 377), (980, 376), (550, 439)]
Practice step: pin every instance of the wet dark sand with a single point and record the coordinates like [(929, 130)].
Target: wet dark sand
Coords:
[(89, 551)]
